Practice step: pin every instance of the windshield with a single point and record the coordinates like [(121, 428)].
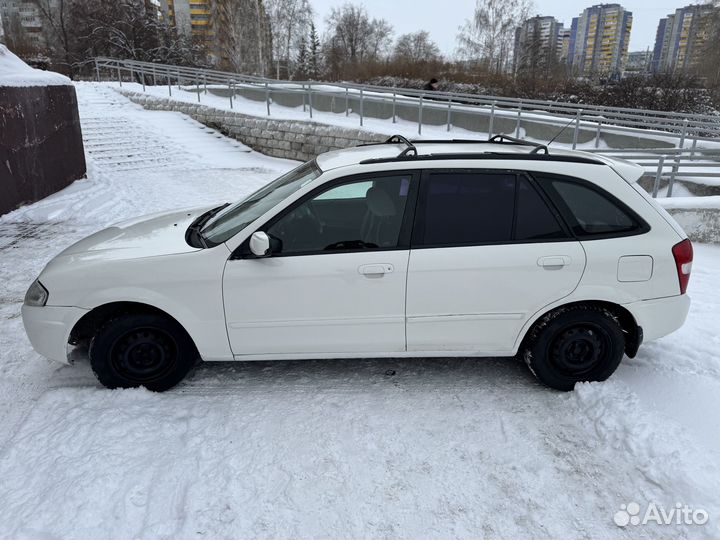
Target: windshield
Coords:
[(236, 217)]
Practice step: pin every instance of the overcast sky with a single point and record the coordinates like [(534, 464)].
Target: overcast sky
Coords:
[(442, 17)]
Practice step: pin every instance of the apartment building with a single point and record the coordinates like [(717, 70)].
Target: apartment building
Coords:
[(638, 62), (538, 45), (189, 17), (598, 45), (22, 25), (681, 38)]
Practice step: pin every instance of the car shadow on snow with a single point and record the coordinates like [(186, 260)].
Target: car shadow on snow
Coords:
[(343, 373), (359, 374)]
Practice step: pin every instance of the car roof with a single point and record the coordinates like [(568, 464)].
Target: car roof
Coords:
[(460, 150)]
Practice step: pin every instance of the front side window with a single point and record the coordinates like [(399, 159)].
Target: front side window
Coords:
[(359, 215), (589, 211), (236, 217)]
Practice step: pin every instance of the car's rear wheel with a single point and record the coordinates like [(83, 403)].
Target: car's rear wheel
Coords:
[(141, 350), (575, 344)]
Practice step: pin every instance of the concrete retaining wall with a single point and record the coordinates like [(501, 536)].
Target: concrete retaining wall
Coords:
[(304, 140), (41, 148)]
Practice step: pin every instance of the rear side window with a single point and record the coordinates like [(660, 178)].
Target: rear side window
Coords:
[(534, 220), (465, 208), (589, 211)]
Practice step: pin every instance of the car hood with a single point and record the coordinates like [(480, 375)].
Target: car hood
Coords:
[(146, 236)]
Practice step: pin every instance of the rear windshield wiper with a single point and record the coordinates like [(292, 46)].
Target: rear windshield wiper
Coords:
[(193, 236)]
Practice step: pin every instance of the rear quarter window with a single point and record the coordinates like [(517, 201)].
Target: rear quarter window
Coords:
[(590, 211)]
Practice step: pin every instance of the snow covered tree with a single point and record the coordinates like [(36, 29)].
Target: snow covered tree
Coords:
[(487, 38)]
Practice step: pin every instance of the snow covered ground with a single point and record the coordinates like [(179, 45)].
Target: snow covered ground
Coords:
[(440, 448)]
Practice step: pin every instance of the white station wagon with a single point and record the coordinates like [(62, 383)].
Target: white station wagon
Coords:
[(401, 249)]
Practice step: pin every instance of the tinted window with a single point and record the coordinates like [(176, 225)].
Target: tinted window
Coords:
[(367, 214), (466, 208), (534, 220), (589, 211)]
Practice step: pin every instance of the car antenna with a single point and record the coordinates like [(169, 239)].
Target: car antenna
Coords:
[(559, 132)]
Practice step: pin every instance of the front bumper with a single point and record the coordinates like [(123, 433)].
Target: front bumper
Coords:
[(49, 327), (661, 316)]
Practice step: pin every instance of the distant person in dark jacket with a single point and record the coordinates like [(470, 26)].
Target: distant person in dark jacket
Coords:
[(432, 85)]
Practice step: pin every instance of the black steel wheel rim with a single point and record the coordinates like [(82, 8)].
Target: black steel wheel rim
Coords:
[(577, 350), (144, 355)]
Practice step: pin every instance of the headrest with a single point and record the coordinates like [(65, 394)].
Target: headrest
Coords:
[(379, 202)]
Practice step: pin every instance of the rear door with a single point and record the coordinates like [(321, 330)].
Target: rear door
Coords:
[(487, 252)]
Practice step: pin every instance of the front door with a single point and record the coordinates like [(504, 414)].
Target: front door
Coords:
[(335, 281), (487, 253)]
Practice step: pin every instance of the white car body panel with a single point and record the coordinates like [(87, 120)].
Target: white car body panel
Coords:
[(317, 303), (478, 297)]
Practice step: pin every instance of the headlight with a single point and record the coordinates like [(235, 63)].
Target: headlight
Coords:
[(36, 295)]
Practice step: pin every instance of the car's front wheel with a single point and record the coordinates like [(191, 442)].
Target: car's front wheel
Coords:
[(575, 344), (142, 350)]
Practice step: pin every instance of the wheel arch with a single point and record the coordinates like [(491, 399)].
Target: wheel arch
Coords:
[(633, 332), (90, 323)]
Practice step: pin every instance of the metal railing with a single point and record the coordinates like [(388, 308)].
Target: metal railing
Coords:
[(698, 131), (672, 164)]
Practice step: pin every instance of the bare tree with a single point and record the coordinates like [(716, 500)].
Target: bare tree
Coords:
[(487, 38), (290, 22), (416, 48), (62, 41), (354, 38), (243, 40)]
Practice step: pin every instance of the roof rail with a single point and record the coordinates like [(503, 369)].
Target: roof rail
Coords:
[(532, 156), (497, 139), (397, 139), (507, 139)]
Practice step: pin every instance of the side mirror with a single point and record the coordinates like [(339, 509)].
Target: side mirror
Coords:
[(260, 244)]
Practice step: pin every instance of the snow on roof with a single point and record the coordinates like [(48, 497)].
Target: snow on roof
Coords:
[(15, 72)]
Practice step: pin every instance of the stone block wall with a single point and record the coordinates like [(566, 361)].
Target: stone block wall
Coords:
[(289, 139)]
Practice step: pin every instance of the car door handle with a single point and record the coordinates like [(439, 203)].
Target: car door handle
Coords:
[(375, 269), (554, 261)]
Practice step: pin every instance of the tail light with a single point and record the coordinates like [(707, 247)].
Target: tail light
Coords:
[(683, 253)]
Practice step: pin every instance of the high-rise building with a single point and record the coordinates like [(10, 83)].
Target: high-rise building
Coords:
[(189, 17), (681, 38), (638, 62), (564, 37), (235, 33), (599, 41), (538, 45), (22, 25)]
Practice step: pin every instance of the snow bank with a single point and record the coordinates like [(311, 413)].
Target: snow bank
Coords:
[(15, 72)]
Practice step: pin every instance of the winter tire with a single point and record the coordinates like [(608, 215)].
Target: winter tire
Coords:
[(575, 344), (142, 350)]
